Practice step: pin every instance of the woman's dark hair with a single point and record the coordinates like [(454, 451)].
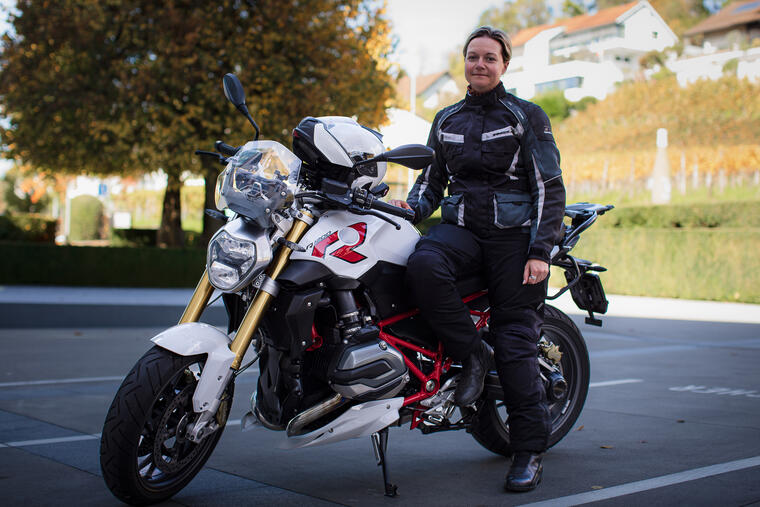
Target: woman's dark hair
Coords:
[(498, 35)]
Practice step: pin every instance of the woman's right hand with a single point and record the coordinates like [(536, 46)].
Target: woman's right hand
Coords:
[(400, 204)]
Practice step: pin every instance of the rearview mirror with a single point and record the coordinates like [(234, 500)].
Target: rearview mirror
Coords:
[(413, 156), (233, 90)]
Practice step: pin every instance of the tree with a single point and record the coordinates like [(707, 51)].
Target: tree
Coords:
[(514, 16), (571, 8), (123, 86)]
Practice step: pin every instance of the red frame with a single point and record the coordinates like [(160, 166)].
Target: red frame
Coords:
[(441, 364)]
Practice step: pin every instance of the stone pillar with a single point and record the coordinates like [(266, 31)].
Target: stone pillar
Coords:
[(661, 170)]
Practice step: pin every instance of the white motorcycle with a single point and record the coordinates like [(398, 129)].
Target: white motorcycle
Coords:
[(311, 266)]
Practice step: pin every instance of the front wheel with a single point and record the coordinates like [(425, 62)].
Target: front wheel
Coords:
[(144, 453), (490, 428)]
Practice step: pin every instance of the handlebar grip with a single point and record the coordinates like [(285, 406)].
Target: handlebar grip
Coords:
[(406, 214), (225, 149)]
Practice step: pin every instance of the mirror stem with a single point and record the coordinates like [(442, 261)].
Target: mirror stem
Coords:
[(244, 109)]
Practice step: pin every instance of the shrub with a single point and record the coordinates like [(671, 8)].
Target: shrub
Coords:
[(554, 104), (27, 227), (86, 218)]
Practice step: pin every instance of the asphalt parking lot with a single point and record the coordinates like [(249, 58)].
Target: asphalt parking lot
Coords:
[(672, 417)]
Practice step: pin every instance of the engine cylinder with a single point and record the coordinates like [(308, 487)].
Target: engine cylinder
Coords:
[(369, 371)]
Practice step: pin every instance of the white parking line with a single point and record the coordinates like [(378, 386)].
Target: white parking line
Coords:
[(648, 484), (75, 438), (82, 380), (233, 422), (59, 381), (615, 382), (43, 441)]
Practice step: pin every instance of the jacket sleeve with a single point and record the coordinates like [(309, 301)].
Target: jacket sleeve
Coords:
[(427, 192), (547, 188)]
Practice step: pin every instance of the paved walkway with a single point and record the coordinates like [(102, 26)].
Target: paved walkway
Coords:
[(619, 306)]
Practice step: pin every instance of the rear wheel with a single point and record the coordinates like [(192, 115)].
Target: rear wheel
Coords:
[(145, 454), (490, 428)]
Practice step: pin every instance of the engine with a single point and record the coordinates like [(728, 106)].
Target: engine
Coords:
[(368, 371)]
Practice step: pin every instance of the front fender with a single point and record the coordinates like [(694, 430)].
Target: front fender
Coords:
[(194, 338)]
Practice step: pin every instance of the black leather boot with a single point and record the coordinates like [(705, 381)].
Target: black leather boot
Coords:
[(474, 370), (525, 472)]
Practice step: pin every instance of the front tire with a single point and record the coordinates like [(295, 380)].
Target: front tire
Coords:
[(144, 454), (490, 428)]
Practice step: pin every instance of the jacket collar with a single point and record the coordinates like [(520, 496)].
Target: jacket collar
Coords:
[(481, 99)]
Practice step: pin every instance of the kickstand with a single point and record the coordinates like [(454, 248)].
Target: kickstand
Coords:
[(380, 446)]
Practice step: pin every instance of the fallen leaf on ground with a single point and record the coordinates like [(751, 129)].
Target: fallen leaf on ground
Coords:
[(597, 487), (579, 428), (605, 446)]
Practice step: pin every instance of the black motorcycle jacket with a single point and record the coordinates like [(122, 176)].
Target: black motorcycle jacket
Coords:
[(497, 156)]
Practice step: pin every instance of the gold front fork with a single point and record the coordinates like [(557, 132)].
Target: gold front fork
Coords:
[(261, 302), (199, 300)]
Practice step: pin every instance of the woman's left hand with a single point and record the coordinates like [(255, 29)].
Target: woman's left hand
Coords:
[(535, 271)]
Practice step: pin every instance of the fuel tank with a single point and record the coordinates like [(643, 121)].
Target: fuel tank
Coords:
[(350, 245)]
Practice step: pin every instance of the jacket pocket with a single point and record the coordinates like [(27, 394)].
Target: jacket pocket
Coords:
[(498, 155), (513, 209), (450, 209)]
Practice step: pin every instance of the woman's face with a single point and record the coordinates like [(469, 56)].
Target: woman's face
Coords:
[(483, 64)]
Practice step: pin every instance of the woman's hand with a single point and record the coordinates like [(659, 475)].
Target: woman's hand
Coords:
[(399, 203), (535, 272)]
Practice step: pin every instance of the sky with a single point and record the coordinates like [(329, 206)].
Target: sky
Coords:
[(428, 31)]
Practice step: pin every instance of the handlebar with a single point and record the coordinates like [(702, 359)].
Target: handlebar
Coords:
[(225, 148), (369, 201)]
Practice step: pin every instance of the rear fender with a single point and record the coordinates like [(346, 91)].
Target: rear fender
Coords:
[(194, 338)]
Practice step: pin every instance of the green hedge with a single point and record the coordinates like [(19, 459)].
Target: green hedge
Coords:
[(710, 215), (28, 263), (27, 227), (739, 214), (712, 264), (147, 237)]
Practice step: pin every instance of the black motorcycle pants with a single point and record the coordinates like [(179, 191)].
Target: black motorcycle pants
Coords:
[(450, 252)]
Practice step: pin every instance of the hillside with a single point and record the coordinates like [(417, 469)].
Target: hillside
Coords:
[(714, 124)]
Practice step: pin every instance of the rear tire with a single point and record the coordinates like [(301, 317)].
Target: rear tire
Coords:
[(144, 455), (490, 428)]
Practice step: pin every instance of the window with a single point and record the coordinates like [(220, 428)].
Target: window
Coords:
[(560, 84)]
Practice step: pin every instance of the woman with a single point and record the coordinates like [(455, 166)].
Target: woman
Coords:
[(496, 155)]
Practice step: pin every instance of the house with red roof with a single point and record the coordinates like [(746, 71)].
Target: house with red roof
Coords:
[(432, 89), (735, 24), (586, 55)]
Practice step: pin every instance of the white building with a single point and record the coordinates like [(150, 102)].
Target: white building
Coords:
[(432, 89), (586, 55)]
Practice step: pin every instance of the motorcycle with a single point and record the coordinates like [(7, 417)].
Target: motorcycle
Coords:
[(310, 264)]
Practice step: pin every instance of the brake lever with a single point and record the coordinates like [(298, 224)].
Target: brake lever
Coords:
[(353, 208)]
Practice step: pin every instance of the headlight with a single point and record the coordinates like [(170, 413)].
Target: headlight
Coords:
[(235, 256)]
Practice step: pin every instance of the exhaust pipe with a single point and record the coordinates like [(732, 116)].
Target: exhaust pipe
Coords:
[(296, 425), (556, 388)]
